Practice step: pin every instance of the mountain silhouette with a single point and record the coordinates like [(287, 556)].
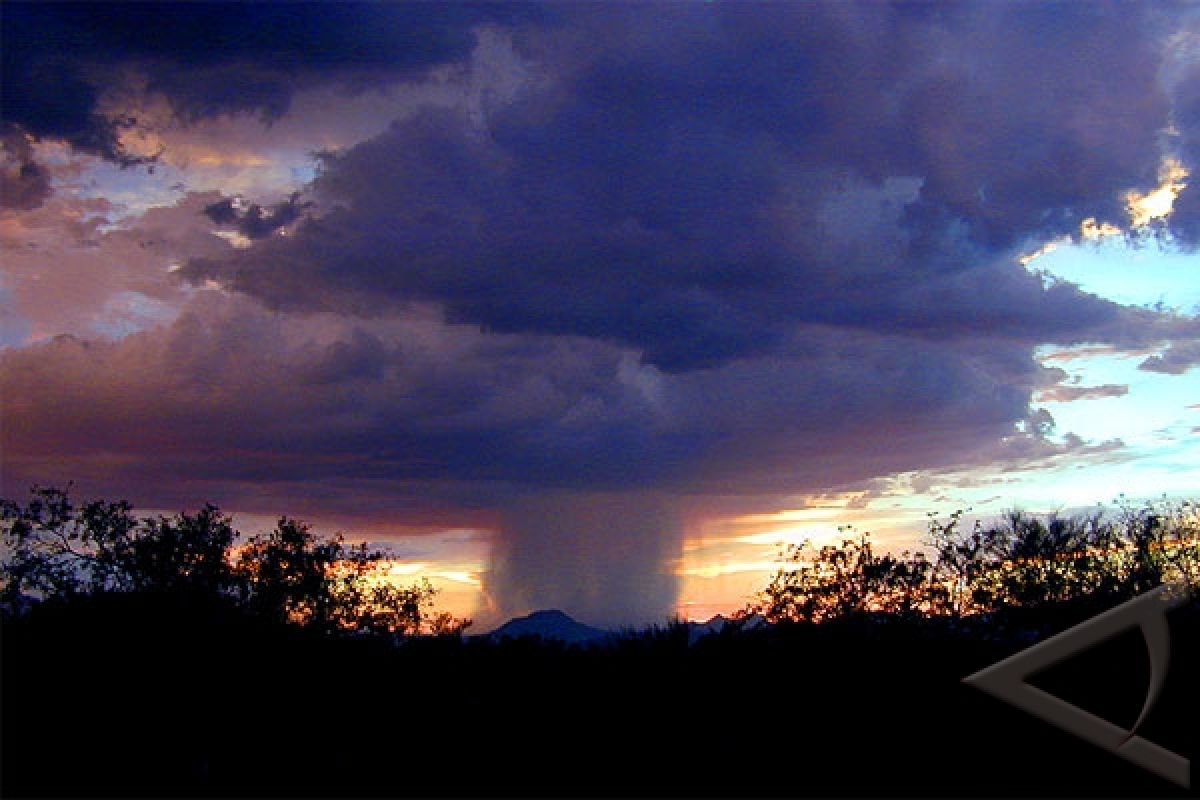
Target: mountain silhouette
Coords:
[(555, 624), (549, 624)]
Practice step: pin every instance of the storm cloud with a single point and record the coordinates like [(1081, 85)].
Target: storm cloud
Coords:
[(677, 200), (413, 398), (64, 63)]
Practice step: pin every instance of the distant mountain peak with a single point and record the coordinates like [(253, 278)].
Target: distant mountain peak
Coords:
[(551, 623), (548, 624)]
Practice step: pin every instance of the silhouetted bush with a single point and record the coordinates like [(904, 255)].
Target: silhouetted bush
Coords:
[(1016, 565), (53, 550)]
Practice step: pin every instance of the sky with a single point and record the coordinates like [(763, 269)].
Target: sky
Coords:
[(594, 307)]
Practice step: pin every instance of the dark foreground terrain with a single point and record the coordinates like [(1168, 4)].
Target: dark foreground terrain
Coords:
[(129, 694)]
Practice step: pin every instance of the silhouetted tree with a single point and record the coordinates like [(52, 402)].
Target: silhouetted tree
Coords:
[(1020, 561), (189, 552), (287, 574), (1026, 561), (52, 549), (292, 575), (838, 581)]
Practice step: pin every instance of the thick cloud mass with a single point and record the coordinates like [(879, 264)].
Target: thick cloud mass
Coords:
[(253, 221), (411, 399), (762, 167), (208, 58), (705, 250), (71, 69)]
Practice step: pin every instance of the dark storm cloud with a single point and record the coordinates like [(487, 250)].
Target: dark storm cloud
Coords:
[(1004, 113), (59, 59), (758, 168), (47, 96), (1186, 93), (445, 222), (1185, 217), (230, 392), (1183, 77), (24, 184), (255, 221)]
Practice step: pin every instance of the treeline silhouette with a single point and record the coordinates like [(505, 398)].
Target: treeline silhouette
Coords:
[(163, 657), (1020, 568), (55, 551)]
